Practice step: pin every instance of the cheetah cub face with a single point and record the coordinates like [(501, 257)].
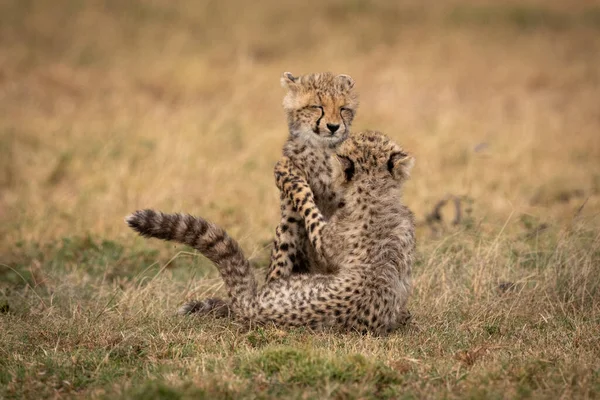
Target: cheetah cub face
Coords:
[(320, 107), (371, 164)]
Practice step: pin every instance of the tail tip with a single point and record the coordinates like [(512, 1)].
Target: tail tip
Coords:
[(136, 220), (129, 219), (132, 219), (191, 307)]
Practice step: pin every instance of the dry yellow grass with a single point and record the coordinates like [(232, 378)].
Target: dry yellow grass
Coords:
[(110, 106)]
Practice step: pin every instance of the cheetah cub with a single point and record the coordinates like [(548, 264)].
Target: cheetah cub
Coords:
[(371, 239), (320, 108)]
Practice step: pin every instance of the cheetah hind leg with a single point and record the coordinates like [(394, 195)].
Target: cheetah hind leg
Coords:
[(212, 306)]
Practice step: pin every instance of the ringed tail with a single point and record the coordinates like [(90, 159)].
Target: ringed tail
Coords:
[(208, 238)]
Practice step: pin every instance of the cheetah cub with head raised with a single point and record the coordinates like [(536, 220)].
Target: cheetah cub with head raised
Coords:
[(320, 108), (371, 239)]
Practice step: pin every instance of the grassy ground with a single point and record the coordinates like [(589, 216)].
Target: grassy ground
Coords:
[(109, 106)]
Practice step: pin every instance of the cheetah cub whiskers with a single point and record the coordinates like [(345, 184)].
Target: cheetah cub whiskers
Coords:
[(371, 240), (320, 109)]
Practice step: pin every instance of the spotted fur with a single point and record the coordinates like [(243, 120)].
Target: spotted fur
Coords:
[(371, 240)]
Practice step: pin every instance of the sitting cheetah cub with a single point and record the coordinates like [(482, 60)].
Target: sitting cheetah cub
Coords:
[(320, 108), (371, 239)]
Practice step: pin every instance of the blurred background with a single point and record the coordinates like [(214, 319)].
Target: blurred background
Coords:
[(107, 106)]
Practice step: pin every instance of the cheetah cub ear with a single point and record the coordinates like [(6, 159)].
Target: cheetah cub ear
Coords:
[(288, 81), (345, 81), (400, 164), (347, 167)]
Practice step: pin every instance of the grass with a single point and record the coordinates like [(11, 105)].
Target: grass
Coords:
[(111, 106)]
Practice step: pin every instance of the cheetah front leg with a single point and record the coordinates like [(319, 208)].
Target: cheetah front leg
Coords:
[(291, 183), (287, 256)]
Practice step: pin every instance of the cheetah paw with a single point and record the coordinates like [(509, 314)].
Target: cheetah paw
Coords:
[(213, 306)]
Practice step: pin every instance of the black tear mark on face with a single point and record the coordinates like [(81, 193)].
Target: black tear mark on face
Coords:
[(320, 108), (348, 167)]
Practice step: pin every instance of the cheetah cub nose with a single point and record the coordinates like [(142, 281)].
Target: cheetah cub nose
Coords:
[(333, 128)]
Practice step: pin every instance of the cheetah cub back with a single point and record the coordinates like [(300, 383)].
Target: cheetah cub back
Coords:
[(320, 108)]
